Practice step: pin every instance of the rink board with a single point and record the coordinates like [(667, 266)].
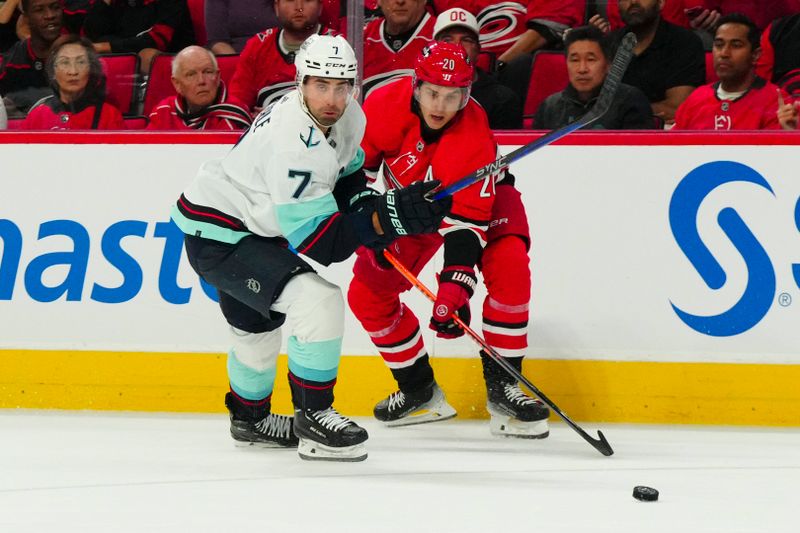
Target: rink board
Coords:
[(665, 274)]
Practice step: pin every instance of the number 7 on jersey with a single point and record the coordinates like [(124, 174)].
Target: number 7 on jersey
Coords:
[(303, 184)]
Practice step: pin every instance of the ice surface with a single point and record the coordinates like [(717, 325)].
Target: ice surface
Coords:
[(66, 471)]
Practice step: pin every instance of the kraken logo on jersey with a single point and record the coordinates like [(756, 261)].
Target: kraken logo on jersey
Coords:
[(253, 285), (308, 142)]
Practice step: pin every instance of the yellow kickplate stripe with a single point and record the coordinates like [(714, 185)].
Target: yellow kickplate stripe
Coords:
[(610, 391)]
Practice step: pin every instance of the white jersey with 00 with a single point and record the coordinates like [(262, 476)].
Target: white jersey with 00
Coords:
[(280, 176)]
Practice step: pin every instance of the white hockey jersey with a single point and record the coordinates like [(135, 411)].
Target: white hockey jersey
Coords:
[(277, 181)]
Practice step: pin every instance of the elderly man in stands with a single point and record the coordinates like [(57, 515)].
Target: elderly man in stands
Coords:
[(23, 80), (740, 100), (501, 104), (393, 42), (201, 102)]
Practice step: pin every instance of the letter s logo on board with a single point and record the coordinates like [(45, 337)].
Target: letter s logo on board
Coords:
[(759, 292)]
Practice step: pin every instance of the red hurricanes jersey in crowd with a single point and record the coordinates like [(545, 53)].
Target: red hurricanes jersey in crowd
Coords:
[(382, 64), (500, 22), (51, 114), (755, 110), (225, 114), (393, 138), (264, 73)]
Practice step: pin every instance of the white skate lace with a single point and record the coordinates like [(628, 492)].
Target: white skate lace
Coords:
[(396, 400), (331, 420), (516, 395), (275, 426)]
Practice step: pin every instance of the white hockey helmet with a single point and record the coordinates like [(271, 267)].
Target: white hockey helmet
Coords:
[(326, 56)]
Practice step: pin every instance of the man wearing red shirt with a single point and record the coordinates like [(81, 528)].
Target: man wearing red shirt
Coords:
[(421, 128), (201, 102), (393, 42), (265, 70), (739, 100)]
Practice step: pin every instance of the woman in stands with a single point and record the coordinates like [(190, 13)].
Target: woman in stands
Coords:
[(79, 91)]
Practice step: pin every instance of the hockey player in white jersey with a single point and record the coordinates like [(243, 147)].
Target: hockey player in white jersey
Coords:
[(294, 183)]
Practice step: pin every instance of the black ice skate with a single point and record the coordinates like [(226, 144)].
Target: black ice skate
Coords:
[(405, 409), (256, 426), (513, 413), (327, 435)]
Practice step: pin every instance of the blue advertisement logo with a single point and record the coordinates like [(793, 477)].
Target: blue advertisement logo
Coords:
[(759, 293)]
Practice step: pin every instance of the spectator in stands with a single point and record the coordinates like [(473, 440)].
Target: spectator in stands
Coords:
[(780, 54), (669, 62), (740, 100), (265, 70), (201, 102), (23, 80), (146, 27), (547, 20), (393, 42), (503, 22), (588, 65), (79, 87), (231, 23), (502, 106)]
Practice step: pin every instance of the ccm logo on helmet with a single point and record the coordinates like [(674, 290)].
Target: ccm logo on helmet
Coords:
[(335, 65)]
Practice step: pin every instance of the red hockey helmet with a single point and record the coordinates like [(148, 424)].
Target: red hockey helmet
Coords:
[(444, 64)]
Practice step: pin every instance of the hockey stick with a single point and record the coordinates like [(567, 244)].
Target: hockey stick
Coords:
[(604, 100), (600, 444)]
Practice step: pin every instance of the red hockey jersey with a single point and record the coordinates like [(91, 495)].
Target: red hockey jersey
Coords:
[(382, 64), (500, 22), (264, 73), (755, 110), (225, 114), (393, 137), (52, 114)]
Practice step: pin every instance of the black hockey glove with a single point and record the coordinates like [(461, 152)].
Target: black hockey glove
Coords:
[(407, 211)]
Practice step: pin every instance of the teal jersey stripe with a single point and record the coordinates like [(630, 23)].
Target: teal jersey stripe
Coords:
[(355, 164), (248, 383), (298, 221), (206, 230), (317, 361)]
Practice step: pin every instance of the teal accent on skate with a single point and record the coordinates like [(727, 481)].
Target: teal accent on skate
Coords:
[(316, 361), (248, 383)]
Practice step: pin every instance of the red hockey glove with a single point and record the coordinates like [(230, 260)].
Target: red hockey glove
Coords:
[(456, 286)]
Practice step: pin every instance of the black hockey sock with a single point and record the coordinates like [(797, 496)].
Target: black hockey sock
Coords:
[(311, 395), (415, 377)]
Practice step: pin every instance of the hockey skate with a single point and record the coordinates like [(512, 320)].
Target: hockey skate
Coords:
[(420, 407), (256, 426), (326, 435), (513, 413)]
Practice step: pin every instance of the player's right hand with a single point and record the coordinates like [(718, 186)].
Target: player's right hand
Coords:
[(408, 211)]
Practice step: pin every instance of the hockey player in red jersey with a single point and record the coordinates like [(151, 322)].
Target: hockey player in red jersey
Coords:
[(443, 134)]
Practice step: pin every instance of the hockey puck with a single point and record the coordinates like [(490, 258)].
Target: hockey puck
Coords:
[(645, 494)]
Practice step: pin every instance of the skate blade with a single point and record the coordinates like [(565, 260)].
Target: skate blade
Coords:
[(314, 451), (424, 416), (505, 426), (271, 445)]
